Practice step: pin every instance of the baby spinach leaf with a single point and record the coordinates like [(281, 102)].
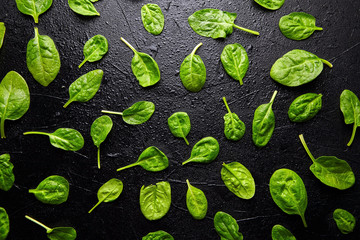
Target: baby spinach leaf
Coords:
[(155, 200), (238, 180), (2, 33), (152, 18), (196, 202), (42, 59), (7, 177), (14, 98), (227, 227), (298, 25), (235, 61), (263, 123), (158, 235), (270, 4), (109, 191), (305, 107), (204, 151), (52, 190), (4, 224), (281, 233), (151, 159), (288, 192), (234, 128), (350, 107), (58, 233), (33, 7), (144, 67), (85, 87), (214, 23), (100, 128), (330, 170), (95, 48), (179, 125), (83, 7), (193, 71), (64, 138), (345, 221), (138, 113), (297, 67)]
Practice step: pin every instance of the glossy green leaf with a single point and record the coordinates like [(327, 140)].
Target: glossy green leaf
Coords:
[(158, 235), (14, 98), (227, 227), (152, 18), (234, 128), (345, 221), (270, 4), (263, 123), (281, 233), (297, 67), (42, 59), (179, 125), (196, 202), (155, 200), (288, 192), (33, 7), (109, 191), (64, 138), (83, 7), (305, 107), (4, 224), (2, 33), (94, 49), (7, 176), (214, 23), (100, 129), (350, 107), (235, 61), (204, 151)]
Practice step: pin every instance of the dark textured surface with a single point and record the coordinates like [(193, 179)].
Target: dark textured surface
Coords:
[(35, 159)]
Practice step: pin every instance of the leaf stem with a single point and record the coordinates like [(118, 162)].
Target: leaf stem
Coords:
[(226, 105), (196, 48), (32, 191), (36, 18), (318, 28), (128, 166), (352, 135), (2, 127), (38, 223), (273, 96), (111, 112), (67, 103), (188, 183), (98, 203), (327, 63), (83, 62), (306, 147), (186, 141), (38, 133), (303, 220), (98, 157), (246, 30), (185, 162), (129, 45)]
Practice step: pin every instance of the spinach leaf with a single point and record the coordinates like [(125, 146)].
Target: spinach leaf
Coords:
[(155, 200), (263, 123), (85, 87), (235, 61), (14, 98), (227, 227), (138, 113), (215, 23), (193, 71), (345, 221), (179, 125), (238, 180), (298, 25), (33, 7), (289, 193), (196, 202), (305, 107), (234, 128), (151, 159), (4, 224), (144, 67), (152, 18), (100, 129), (83, 7), (52, 190), (109, 191), (204, 151), (7, 177), (95, 48), (42, 59), (297, 67), (281, 233), (58, 233), (64, 138), (270, 4), (350, 107), (2, 33), (330, 170), (158, 235)]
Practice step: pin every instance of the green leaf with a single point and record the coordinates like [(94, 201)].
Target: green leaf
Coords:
[(83, 7), (2, 33), (196, 202), (33, 7), (234, 128), (235, 61), (270, 4), (214, 23), (158, 235), (100, 129), (94, 49), (238, 180), (155, 200), (288, 192), (298, 25), (42, 59), (204, 151), (4, 224), (85, 87), (14, 98), (179, 125), (109, 191), (281, 233), (345, 221), (297, 67), (64, 138), (227, 227), (305, 107), (350, 107), (52, 190), (263, 123), (7, 176), (152, 18), (193, 71)]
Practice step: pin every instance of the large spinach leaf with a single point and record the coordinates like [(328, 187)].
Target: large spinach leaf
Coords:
[(234, 128), (345, 221), (158, 235), (33, 7), (7, 177), (227, 227), (305, 107), (279, 232), (270, 4), (4, 224), (100, 128), (196, 202), (2, 33), (179, 125), (94, 49), (83, 7), (152, 18), (204, 151), (350, 107), (235, 61)]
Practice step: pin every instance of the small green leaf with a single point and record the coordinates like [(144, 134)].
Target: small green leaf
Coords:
[(7, 176), (179, 125), (305, 107), (152, 18), (350, 107), (83, 7), (33, 7), (100, 129), (227, 227), (158, 235), (281, 233), (270, 4), (204, 151), (345, 221), (196, 202), (94, 49), (4, 224), (234, 128), (2, 33), (235, 61)]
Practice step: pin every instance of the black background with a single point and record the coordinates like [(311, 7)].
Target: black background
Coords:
[(35, 159)]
